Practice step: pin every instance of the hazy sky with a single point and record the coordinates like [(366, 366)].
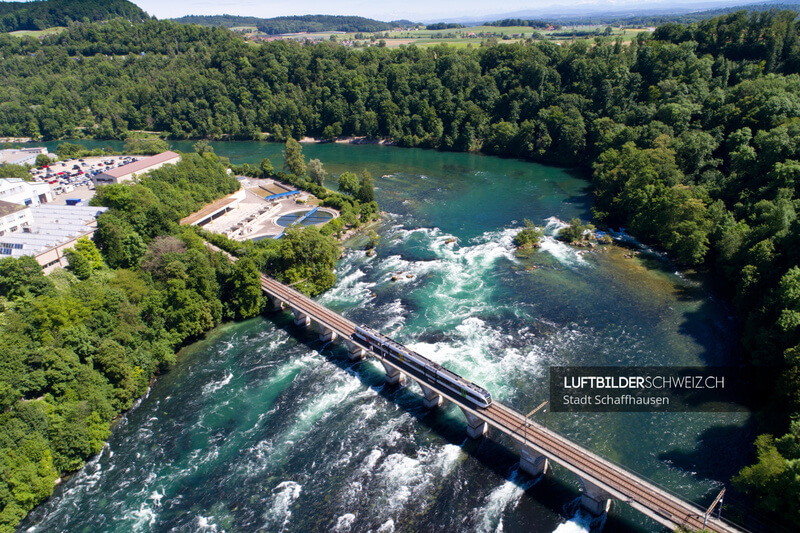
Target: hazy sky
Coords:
[(378, 9)]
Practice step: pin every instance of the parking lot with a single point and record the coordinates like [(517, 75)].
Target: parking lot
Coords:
[(65, 176), (83, 192)]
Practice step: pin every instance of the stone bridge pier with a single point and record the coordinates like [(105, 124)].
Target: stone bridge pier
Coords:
[(326, 334), (355, 352), (532, 462), (274, 305), (476, 427), (594, 499), (301, 319), (432, 398), (393, 376)]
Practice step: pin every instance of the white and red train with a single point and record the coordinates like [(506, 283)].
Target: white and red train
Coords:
[(419, 366)]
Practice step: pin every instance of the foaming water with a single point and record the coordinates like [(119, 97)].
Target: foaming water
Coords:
[(261, 427), (279, 515), (563, 253), (501, 499), (580, 523)]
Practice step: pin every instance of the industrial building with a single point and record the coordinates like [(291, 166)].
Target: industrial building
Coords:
[(53, 230), (21, 156), (216, 209), (136, 168), (19, 191), (13, 217)]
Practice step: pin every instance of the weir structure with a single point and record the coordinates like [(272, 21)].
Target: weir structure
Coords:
[(601, 480)]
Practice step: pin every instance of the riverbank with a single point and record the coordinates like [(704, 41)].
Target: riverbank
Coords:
[(258, 416), (349, 140)]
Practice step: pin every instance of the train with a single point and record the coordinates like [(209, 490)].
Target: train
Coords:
[(421, 366)]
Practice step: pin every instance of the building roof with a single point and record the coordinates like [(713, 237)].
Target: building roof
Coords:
[(210, 209), (53, 225), (141, 164), (15, 155), (7, 208)]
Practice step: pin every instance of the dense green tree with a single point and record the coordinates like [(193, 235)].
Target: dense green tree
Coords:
[(266, 168), (775, 477), (16, 16), (315, 171), (293, 158), (121, 245), (244, 294), (69, 150), (529, 236), (145, 146), (366, 188), (348, 183), (202, 146), (21, 277), (84, 258), (14, 171), (307, 258), (576, 231)]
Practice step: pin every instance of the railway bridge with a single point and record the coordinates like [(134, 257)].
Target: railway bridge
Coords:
[(601, 480)]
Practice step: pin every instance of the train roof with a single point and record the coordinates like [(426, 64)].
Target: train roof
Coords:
[(397, 345)]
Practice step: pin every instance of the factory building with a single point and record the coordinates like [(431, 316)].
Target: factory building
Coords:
[(21, 156), (19, 191), (52, 230), (13, 217), (136, 168)]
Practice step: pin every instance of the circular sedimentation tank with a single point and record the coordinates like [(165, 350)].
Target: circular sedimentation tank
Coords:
[(289, 219)]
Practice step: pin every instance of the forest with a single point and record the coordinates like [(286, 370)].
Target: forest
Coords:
[(303, 23), (538, 24), (80, 346), (691, 137), (42, 14)]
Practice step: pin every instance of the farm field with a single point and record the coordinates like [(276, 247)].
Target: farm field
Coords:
[(463, 37), (38, 33)]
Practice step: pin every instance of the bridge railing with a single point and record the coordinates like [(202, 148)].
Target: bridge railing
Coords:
[(624, 468), (630, 471)]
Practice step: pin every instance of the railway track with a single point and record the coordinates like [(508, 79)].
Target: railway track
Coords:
[(620, 483), (628, 487)]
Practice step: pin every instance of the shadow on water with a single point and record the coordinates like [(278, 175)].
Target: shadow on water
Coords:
[(556, 492), (712, 327), (720, 453)]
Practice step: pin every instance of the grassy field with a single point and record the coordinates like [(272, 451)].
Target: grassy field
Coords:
[(475, 35), (37, 33)]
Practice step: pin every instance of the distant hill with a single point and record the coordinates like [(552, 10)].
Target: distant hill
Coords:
[(650, 14), (309, 23), (682, 18), (225, 21), (42, 14)]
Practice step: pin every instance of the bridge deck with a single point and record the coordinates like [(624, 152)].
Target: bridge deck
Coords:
[(666, 508)]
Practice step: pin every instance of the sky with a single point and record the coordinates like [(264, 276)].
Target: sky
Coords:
[(416, 10)]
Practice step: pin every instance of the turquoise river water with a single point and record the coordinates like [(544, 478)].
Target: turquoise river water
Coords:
[(261, 427)]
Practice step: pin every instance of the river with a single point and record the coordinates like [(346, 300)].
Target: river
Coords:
[(261, 427)]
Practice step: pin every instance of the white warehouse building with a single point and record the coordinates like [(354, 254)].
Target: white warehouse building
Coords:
[(19, 191), (13, 217), (53, 230), (131, 170), (21, 156)]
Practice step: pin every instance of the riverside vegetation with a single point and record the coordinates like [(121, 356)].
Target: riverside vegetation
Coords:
[(691, 135), (78, 347)]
